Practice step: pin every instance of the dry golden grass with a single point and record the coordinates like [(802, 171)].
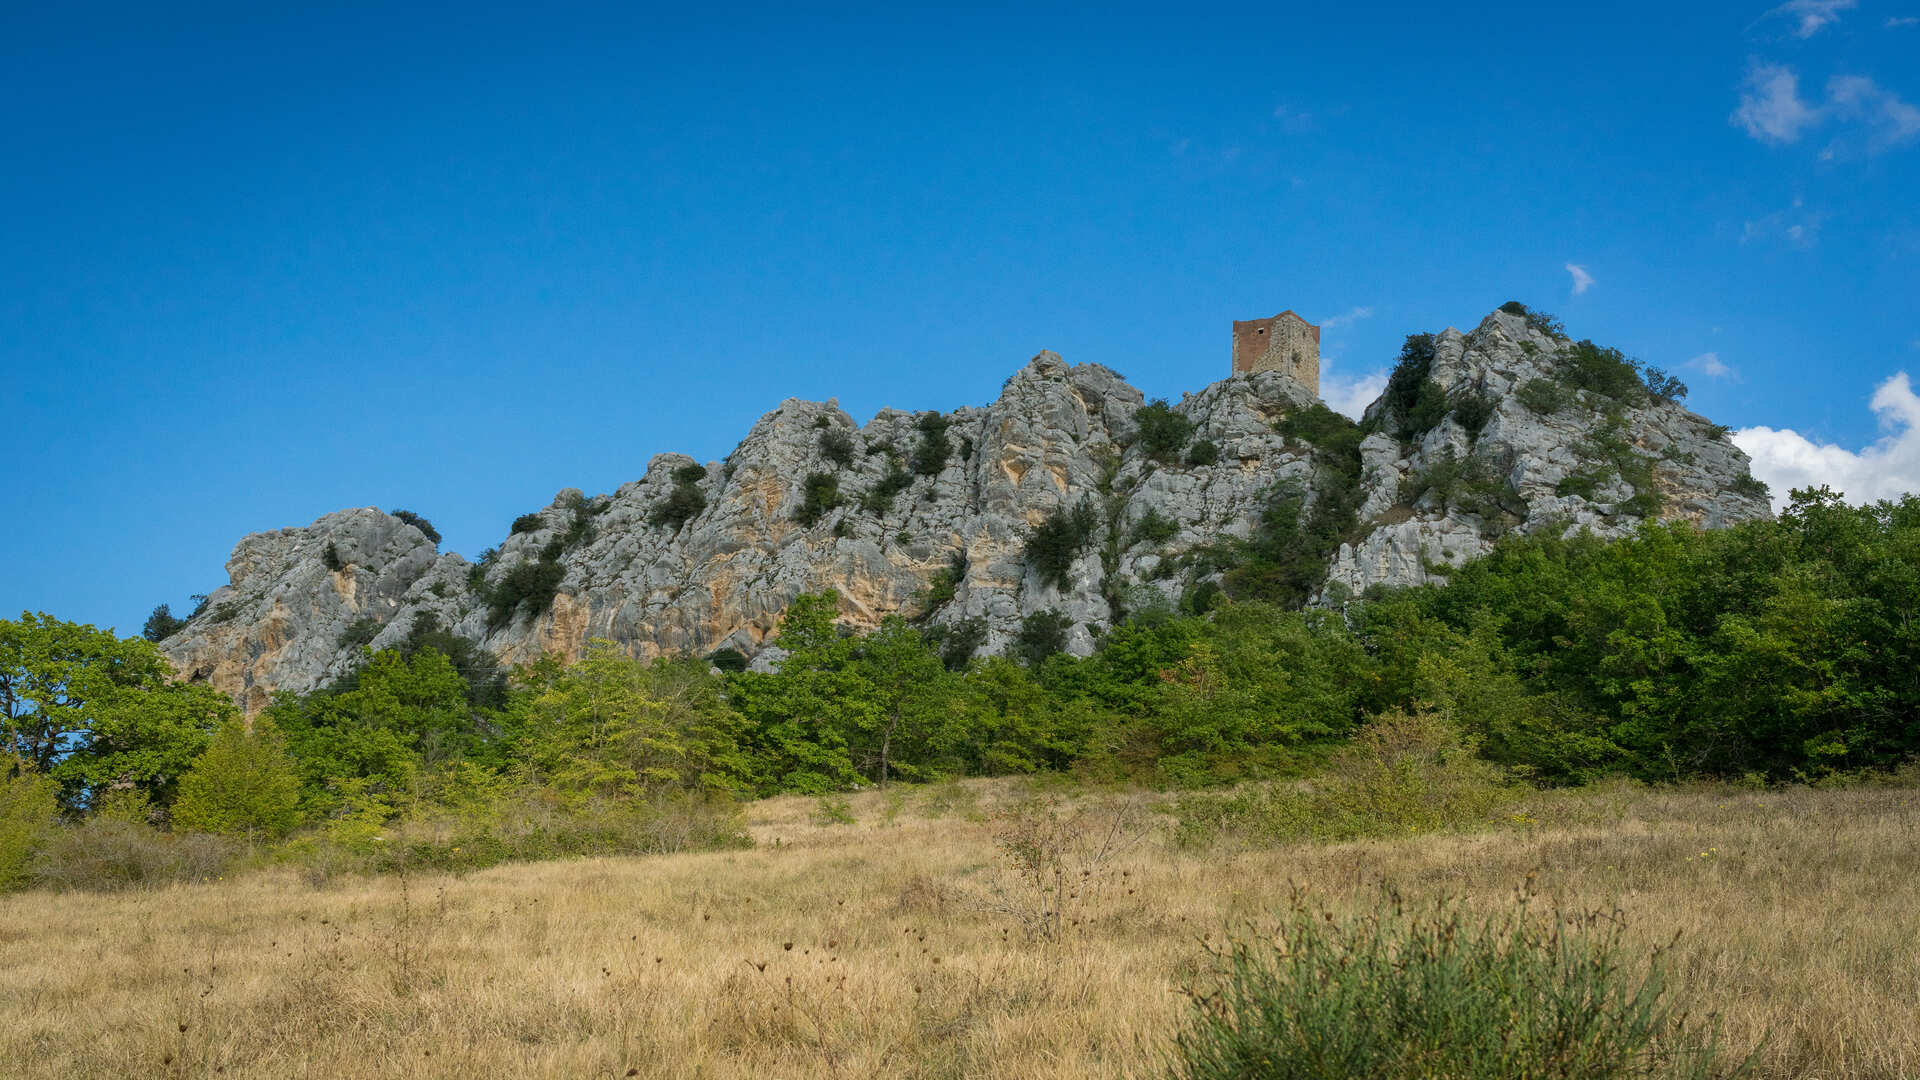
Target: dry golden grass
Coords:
[(1797, 912)]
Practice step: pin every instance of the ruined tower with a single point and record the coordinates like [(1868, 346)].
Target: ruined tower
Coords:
[(1285, 343)]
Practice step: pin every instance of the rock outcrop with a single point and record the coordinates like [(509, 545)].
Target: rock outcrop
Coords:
[(929, 515)]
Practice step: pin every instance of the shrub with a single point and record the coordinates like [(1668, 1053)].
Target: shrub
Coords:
[(1607, 372), (1538, 320), (1398, 994), (930, 453), (957, 641), (1544, 396), (1161, 432), (683, 502), (1203, 452), (1058, 540), (878, 499), (1581, 483), (525, 523), (358, 633), (837, 446), (527, 589), (821, 494), (162, 624), (418, 522), (1664, 387), (104, 854), (1323, 429), (331, 557), (245, 783), (27, 813), (1472, 411), (1042, 634), (1414, 403), (1748, 484), (1154, 527)]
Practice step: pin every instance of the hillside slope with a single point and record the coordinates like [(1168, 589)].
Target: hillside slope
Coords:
[(1509, 428)]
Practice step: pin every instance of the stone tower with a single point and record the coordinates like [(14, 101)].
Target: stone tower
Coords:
[(1285, 343)]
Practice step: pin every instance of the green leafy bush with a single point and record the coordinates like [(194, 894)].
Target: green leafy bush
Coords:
[(244, 784), (1748, 484), (525, 591), (1472, 411), (878, 499), (1042, 634), (1162, 432), (821, 494), (1410, 994), (526, 523), (161, 624), (683, 502), (931, 451), (418, 522), (331, 558), (1413, 403), (837, 446), (1154, 527), (1323, 429), (1664, 387), (1605, 371), (358, 633), (28, 808), (1057, 541), (1203, 452), (1544, 396)]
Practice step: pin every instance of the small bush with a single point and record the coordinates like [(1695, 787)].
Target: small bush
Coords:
[(161, 624), (957, 641), (683, 502), (930, 453), (1154, 527), (1607, 372), (1664, 387), (878, 499), (1203, 452), (1058, 540), (1472, 411), (527, 589), (837, 446), (244, 784), (358, 633), (27, 813), (832, 810), (1162, 432), (1400, 994), (418, 522), (525, 523), (1544, 396), (1748, 484), (1582, 483), (1414, 403), (821, 495), (1042, 634), (106, 854), (331, 557)]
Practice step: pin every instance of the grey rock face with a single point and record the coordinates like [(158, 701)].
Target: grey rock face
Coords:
[(1059, 436)]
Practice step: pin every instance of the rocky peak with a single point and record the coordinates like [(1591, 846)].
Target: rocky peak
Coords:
[(930, 514)]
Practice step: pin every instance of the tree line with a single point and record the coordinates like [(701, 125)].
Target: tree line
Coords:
[(1774, 651)]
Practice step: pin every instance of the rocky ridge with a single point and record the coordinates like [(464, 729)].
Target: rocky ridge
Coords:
[(696, 557)]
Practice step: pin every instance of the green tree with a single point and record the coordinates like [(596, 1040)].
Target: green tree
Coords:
[(28, 806), (614, 725), (88, 708), (245, 783), (798, 716)]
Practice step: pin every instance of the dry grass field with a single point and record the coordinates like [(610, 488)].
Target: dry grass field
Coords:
[(905, 943)]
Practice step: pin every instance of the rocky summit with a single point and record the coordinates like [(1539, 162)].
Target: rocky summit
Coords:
[(1069, 496)]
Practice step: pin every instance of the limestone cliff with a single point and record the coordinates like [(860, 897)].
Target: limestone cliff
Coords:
[(693, 558)]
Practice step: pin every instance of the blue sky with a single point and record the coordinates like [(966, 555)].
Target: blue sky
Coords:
[(261, 264)]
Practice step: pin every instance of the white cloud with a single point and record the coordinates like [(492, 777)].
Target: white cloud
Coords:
[(1888, 120), (1889, 468), (1582, 281), (1710, 365), (1294, 120), (1812, 15), (1349, 395), (1894, 22), (1349, 318), (1771, 109), (1796, 226)]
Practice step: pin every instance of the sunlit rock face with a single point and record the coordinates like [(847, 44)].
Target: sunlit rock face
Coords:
[(302, 602)]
